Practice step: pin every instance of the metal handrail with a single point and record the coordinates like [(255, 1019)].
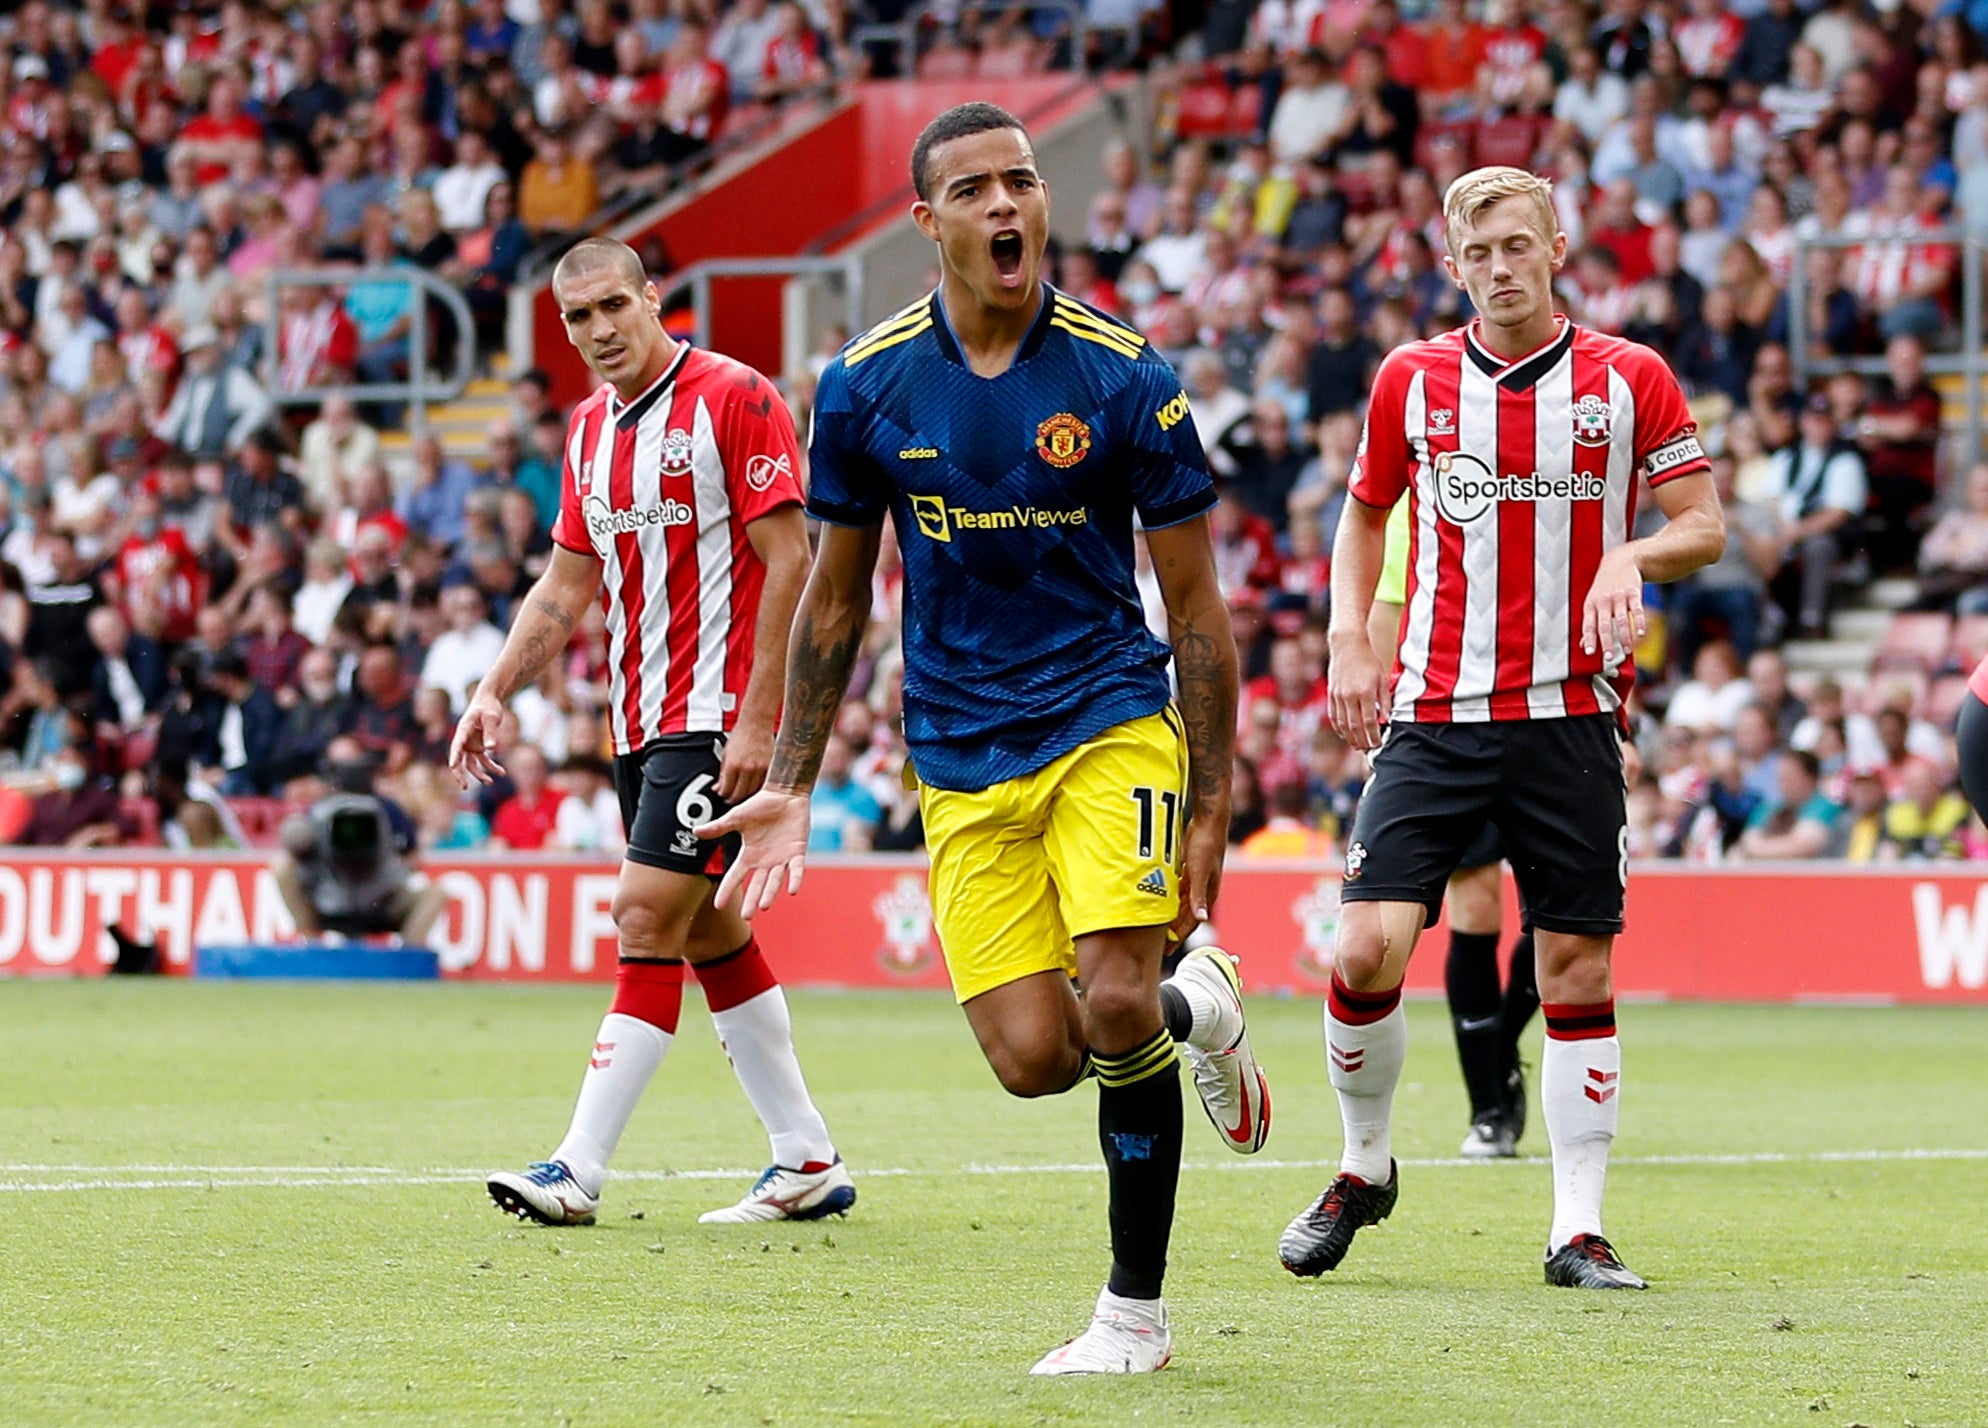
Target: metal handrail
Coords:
[(1967, 363), (421, 386), (697, 278)]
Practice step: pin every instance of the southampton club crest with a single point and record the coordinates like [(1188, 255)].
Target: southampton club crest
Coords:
[(1591, 421), (1062, 440), (677, 449), (905, 915)]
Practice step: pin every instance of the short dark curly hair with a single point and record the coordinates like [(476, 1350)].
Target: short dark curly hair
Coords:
[(956, 123)]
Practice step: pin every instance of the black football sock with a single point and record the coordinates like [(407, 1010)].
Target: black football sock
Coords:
[(1470, 976), (1521, 999), (1139, 1128), (1175, 1012)]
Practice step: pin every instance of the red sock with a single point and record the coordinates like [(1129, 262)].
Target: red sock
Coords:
[(1570, 1021), (1360, 1008), (649, 991), (735, 978)]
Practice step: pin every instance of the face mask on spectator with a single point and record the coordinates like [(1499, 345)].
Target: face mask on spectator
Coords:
[(1139, 294)]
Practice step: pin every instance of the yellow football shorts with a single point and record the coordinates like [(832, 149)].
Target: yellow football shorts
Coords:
[(1086, 843)]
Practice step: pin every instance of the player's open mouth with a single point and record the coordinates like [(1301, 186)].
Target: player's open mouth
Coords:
[(1007, 252)]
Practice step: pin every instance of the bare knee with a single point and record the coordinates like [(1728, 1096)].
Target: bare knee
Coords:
[(1574, 969), (1040, 1070), (1120, 1013), (1361, 958), (646, 931), (1375, 940)]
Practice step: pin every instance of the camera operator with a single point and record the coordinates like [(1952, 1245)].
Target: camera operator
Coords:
[(344, 868)]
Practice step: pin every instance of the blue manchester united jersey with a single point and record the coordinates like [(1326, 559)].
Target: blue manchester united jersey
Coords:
[(1013, 498)]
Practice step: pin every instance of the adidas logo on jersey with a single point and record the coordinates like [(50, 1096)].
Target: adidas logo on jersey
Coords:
[(1154, 882)]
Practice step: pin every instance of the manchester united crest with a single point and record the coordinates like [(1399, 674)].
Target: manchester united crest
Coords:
[(1591, 421), (1062, 440)]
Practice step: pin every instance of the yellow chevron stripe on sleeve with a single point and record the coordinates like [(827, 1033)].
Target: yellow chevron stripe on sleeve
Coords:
[(1114, 344), (871, 349), (1084, 317)]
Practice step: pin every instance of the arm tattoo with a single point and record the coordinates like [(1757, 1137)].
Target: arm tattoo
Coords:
[(552, 611), (818, 669), (536, 647), (1208, 709)]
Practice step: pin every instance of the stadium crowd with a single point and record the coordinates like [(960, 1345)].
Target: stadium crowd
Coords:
[(213, 604)]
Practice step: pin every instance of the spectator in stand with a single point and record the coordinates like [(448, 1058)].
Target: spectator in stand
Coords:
[(1218, 407), (697, 91), (1714, 695), (216, 407), (524, 822), (317, 343), (842, 814), (247, 726), (1799, 822), (1953, 559), (1176, 251), (1312, 113), (440, 489), (1819, 485), (1897, 435), (1340, 366), (270, 644), (557, 192), (383, 707), (464, 652), (130, 678), (589, 817), (463, 188), (1267, 460), (1925, 819), (258, 492), (318, 714), (1732, 591), (1286, 832), (335, 448)]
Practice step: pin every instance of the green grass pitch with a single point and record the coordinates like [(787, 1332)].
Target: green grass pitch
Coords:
[(262, 1204)]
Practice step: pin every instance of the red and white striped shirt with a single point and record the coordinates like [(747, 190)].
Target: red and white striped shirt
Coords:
[(661, 490), (1521, 475)]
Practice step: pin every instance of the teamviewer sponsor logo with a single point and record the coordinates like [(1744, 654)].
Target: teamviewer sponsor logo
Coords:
[(604, 523), (1466, 488)]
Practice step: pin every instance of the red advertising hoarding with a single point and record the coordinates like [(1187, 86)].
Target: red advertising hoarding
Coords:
[(1894, 934)]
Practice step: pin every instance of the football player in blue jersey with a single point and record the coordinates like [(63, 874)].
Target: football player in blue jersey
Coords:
[(1075, 810)]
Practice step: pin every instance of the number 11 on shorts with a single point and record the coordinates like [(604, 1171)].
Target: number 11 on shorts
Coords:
[(1165, 803)]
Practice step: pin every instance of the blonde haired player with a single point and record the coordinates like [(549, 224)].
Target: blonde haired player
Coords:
[(1517, 440)]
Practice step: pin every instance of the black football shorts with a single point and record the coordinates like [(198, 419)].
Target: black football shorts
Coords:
[(667, 787), (1551, 787)]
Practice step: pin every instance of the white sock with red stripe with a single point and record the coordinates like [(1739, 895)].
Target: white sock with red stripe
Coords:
[(749, 1011), (634, 1037), (1580, 1078), (1366, 1040)]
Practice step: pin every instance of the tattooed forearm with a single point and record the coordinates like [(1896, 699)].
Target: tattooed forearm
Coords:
[(1205, 665), (551, 610), (538, 633), (818, 666)]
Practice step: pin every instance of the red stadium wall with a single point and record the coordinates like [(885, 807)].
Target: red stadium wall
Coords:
[(807, 188), (1889, 935)]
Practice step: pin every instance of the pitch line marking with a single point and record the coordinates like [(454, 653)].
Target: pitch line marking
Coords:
[(309, 1177)]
